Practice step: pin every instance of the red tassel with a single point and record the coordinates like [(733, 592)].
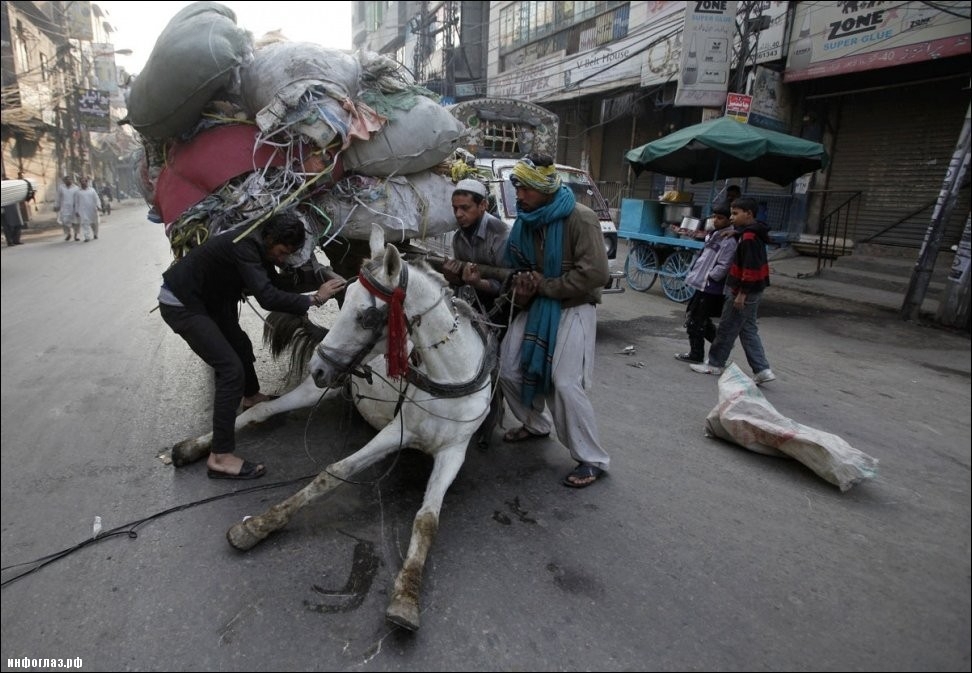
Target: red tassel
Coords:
[(397, 335)]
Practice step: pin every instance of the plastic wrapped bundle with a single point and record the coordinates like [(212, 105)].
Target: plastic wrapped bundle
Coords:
[(301, 88), (408, 206), (197, 55)]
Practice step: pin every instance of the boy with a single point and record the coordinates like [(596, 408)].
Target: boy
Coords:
[(748, 277), (707, 276)]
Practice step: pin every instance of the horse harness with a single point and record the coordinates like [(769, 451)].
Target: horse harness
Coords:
[(375, 320)]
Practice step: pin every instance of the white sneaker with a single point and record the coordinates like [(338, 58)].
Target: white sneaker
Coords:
[(764, 376), (706, 368)]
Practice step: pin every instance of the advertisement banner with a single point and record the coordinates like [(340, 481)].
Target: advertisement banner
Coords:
[(770, 106), (710, 28), (836, 38), (94, 110)]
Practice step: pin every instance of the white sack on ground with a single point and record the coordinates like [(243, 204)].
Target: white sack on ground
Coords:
[(405, 206), (196, 55), (301, 86), (744, 417), (413, 140)]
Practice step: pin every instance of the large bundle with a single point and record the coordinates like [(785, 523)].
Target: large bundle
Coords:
[(406, 206), (197, 55), (414, 140), (304, 88), (304, 114)]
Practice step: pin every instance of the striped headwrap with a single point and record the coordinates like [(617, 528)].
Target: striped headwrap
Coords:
[(544, 179)]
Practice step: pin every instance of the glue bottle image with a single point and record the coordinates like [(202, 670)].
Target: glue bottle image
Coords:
[(690, 72)]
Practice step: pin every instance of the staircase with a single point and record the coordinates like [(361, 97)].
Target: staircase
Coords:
[(869, 276)]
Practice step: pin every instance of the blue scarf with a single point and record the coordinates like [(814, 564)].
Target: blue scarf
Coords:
[(543, 318)]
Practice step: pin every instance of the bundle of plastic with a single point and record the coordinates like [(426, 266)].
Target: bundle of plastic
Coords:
[(198, 55), (405, 206)]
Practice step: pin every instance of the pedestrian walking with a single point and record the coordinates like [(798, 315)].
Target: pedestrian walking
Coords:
[(87, 204), (64, 206)]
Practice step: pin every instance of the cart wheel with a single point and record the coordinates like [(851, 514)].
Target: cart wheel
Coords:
[(641, 267), (674, 270)]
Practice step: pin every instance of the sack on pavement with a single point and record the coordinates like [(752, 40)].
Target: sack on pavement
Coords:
[(744, 417)]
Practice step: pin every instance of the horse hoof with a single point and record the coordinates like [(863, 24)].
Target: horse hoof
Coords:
[(240, 537), (403, 613), (186, 452)]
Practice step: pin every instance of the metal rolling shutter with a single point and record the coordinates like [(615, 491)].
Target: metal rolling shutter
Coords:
[(894, 145)]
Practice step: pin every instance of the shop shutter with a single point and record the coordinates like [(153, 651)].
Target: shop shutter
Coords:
[(894, 145)]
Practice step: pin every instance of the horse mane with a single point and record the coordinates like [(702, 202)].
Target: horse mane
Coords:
[(296, 332)]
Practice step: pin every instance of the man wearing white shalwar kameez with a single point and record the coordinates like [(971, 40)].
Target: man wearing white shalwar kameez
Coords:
[(87, 203)]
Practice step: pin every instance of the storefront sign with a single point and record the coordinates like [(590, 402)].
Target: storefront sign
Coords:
[(706, 50), (835, 38), (737, 106)]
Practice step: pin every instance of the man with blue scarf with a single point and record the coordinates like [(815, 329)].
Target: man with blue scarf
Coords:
[(547, 356)]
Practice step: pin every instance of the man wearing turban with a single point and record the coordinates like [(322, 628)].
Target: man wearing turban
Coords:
[(547, 356)]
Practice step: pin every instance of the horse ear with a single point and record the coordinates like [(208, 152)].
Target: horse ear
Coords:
[(377, 240), (392, 261)]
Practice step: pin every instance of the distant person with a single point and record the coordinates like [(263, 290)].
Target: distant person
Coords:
[(748, 278), (199, 300), (87, 203), (708, 277), (64, 206), (547, 355), (732, 193), (106, 199), (12, 224)]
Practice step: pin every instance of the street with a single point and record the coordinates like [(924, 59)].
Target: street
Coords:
[(692, 554)]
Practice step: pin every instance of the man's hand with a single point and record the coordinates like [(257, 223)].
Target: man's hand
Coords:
[(739, 303), (526, 284), (471, 275), (328, 289), (452, 270)]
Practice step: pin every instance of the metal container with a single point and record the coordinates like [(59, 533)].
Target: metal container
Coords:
[(691, 223), (675, 212)]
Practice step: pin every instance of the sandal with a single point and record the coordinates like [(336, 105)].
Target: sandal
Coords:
[(583, 475), (521, 434)]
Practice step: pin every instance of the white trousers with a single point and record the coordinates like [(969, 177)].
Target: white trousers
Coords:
[(566, 406)]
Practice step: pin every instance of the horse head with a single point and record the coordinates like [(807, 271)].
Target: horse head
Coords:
[(373, 310)]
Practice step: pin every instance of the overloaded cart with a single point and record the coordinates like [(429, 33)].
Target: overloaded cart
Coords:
[(655, 250)]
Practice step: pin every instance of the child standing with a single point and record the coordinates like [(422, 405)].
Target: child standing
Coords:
[(708, 276)]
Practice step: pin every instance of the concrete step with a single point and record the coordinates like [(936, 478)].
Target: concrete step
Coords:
[(880, 280)]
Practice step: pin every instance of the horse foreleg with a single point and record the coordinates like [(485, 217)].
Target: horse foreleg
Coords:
[(304, 395), (403, 609), (246, 534)]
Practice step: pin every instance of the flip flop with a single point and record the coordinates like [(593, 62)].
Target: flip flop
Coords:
[(583, 471), (247, 471), (521, 434), (250, 406)]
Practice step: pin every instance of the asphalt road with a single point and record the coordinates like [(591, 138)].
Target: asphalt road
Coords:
[(693, 554)]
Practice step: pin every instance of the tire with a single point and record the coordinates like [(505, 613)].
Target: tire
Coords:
[(641, 267), (674, 271)]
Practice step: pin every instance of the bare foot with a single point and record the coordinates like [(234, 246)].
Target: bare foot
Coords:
[(232, 466)]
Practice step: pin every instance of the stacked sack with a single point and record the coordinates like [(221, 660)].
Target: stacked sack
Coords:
[(233, 131)]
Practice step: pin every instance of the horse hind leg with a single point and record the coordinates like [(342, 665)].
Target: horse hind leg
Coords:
[(252, 530), (403, 609), (193, 449)]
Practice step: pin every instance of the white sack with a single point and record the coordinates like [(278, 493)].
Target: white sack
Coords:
[(412, 141), (301, 86), (744, 417), (405, 206)]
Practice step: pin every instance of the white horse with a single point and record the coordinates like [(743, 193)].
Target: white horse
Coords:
[(435, 406)]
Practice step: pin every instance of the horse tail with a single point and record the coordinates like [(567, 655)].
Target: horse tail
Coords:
[(284, 330)]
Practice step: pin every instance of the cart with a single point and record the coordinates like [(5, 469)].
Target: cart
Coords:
[(652, 252)]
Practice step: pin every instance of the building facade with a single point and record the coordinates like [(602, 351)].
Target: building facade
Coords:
[(884, 86)]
